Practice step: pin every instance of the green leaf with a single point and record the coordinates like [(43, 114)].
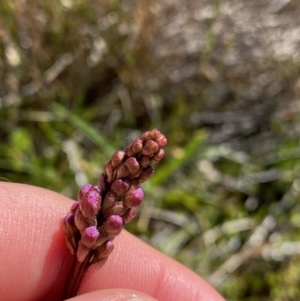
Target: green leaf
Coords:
[(183, 155), (85, 128)]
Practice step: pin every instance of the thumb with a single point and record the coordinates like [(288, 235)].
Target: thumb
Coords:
[(114, 295)]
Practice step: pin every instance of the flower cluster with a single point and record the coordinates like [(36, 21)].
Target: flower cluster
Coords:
[(101, 211)]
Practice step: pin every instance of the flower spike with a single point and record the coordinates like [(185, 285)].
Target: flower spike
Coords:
[(101, 211)]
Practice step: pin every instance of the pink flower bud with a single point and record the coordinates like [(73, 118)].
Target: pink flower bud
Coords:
[(150, 148), (146, 136), (74, 207), (110, 200), (89, 236), (69, 224), (134, 198), (119, 187), (132, 165), (90, 203), (113, 224), (80, 221), (135, 175), (117, 158), (158, 156), (117, 209), (122, 172), (136, 146), (162, 140), (129, 215), (158, 137), (84, 190)]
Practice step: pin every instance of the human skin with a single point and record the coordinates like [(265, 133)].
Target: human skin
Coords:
[(35, 260)]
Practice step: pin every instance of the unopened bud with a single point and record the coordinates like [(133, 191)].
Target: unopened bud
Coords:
[(113, 224), (122, 172), (150, 148), (89, 236), (129, 215), (132, 165), (90, 203), (119, 187), (117, 158), (80, 221), (146, 136), (158, 156), (134, 198), (86, 188), (136, 146)]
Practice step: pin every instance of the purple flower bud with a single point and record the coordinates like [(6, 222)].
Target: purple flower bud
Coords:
[(88, 239), (158, 156), (134, 198), (117, 209), (80, 221), (122, 172), (135, 175), (158, 137), (113, 224), (90, 203), (74, 207), (89, 236), (150, 148), (146, 136), (117, 158), (132, 165), (155, 133), (162, 140), (110, 200), (69, 224), (119, 187), (84, 190), (129, 215), (136, 146)]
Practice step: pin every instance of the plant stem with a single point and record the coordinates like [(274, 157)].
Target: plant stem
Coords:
[(75, 277)]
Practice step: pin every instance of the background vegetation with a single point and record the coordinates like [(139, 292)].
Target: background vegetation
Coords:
[(80, 79)]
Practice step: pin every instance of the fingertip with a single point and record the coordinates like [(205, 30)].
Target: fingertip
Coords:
[(114, 295)]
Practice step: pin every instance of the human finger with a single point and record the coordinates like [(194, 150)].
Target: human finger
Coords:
[(37, 260), (113, 295)]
